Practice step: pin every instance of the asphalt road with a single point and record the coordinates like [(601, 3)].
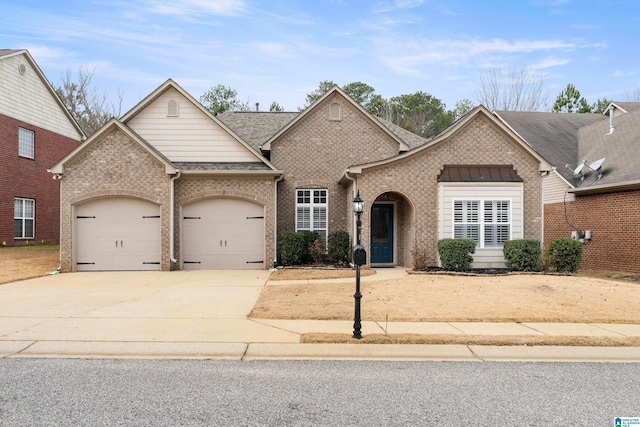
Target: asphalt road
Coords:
[(56, 392)]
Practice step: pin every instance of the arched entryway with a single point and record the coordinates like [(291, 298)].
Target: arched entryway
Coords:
[(391, 229)]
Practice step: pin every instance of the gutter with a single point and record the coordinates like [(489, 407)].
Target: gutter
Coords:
[(611, 188)]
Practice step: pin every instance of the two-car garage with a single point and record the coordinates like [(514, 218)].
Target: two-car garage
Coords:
[(124, 233)]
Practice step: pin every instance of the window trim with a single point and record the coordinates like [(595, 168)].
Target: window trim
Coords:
[(312, 211), (23, 219), (481, 219), (31, 154), (338, 116)]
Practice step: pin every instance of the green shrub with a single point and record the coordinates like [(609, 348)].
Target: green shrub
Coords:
[(522, 254), (295, 248), (339, 247), (564, 255), (455, 253)]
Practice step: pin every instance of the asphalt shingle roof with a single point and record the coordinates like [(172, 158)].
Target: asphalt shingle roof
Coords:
[(255, 128), (563, 138)]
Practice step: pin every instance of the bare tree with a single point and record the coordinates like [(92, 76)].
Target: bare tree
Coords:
[(516, 89), (90, 107), (632, 95)]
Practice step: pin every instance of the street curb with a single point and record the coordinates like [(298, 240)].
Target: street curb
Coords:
[(123, 350)]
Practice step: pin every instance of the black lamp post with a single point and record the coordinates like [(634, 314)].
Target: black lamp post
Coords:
[(359, 258)]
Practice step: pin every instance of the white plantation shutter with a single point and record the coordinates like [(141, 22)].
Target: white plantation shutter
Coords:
[(494, 227), (311, 212)]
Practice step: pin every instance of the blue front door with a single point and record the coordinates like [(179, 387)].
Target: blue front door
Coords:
[(382, 234)]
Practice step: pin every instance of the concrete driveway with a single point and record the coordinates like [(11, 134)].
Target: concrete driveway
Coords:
[(136, 307)]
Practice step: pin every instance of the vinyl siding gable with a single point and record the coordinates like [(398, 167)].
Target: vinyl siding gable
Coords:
[(189, 136), (25, 97)]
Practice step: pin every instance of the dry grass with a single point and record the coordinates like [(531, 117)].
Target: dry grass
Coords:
[(27, 262), (309, 273), (499, 340), (446, 298)]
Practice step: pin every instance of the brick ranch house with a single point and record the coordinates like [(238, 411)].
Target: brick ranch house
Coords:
[(599, 205), (36, 130), (170, 186)]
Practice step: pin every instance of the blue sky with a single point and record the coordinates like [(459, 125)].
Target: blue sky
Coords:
[(279, 50)]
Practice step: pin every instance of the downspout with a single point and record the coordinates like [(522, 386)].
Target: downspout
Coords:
[(172, 215), (354, 188), (275, 220)]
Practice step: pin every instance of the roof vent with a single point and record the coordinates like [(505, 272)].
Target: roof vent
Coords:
[(172, 108), (611, 127), (335, 112)]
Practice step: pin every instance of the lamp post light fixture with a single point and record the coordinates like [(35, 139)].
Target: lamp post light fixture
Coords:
[(359, 258)]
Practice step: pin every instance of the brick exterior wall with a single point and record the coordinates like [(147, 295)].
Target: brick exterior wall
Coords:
[(315, 153), (116, 166), (614, 221), (255, 189), (28, 178), (414, 178)]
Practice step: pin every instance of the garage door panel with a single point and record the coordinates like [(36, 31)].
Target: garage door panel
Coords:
[(117, 234), (223, 234)]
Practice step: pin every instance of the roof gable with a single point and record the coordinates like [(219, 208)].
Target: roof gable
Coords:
[(335, 90), (452, 130), (59, 167), (192, 134), (27, 95)]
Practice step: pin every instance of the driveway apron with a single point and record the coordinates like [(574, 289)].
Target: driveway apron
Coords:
[(172, 307)]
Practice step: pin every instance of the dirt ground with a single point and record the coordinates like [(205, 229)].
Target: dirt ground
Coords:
[(591, 297), (26, 262), (452, 298)]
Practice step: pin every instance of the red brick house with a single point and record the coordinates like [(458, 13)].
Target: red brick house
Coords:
[(170, 186), (35, 131), (593, 192)]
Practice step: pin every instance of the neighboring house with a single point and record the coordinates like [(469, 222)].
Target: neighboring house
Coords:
[(36, 130), (170, 186), (601, 206)]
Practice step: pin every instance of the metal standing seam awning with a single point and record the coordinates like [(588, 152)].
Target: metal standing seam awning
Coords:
[(479, 173)]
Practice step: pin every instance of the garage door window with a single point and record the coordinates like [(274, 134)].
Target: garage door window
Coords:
[(23, 218), (311, 212)]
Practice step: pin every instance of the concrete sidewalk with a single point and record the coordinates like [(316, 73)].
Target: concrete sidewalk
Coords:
[(203, 314)]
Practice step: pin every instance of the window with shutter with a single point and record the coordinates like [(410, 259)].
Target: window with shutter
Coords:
[(492, 231), (312, 211)]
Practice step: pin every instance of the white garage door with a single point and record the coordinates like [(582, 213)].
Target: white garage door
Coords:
[(222, 234), (117, 234)]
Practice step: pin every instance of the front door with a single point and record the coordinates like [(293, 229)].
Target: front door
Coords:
[(382, 234)]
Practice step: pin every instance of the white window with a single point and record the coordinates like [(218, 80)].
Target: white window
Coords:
[(23, 218), (491, 228), (311, 212), (25, 143)]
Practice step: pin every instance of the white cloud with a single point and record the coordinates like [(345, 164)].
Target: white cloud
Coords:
[(197, 7), (407, 4), (549, 62), (406, 56)]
